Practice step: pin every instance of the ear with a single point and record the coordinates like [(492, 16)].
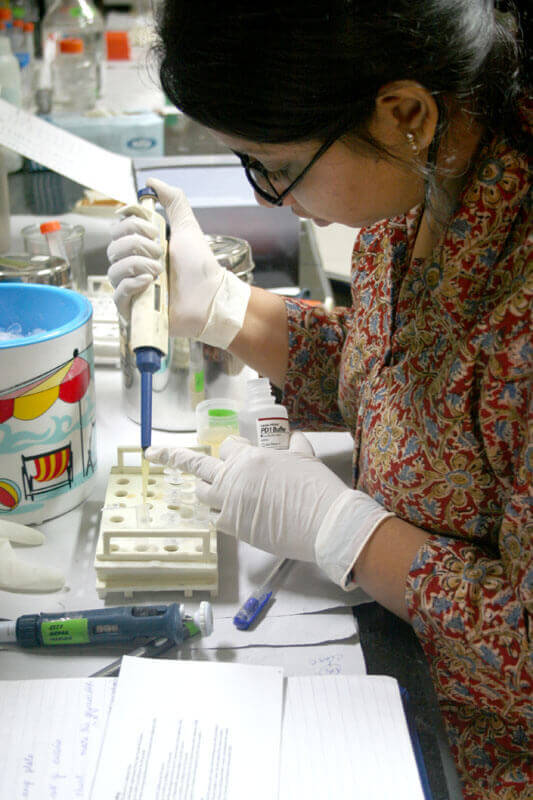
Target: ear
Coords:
[(405, 117)]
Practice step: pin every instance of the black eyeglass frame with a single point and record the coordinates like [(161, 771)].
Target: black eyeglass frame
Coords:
[(277, 198)]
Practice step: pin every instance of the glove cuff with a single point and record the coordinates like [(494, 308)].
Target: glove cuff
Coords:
[(344, 531), (228, 309)]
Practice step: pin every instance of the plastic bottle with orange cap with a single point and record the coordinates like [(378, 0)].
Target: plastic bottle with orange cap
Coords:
[(74, 19), (74, 76)]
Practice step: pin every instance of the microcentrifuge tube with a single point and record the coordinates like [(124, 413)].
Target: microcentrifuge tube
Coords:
[(142, 513)]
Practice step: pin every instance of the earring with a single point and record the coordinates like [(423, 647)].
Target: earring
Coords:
[(412, 142)]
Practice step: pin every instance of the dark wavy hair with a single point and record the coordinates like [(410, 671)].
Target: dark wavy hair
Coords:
[(291, 71), (276, 72)]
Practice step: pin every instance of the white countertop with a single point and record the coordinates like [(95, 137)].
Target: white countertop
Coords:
[(297, 643)]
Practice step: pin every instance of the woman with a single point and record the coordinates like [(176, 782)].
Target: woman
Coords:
[(408, 120)]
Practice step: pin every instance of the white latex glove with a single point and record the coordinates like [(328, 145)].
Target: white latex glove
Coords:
[(20, 576), (287, 503), (207, 301)]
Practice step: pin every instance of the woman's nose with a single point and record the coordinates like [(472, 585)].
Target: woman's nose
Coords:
[(287, 201)]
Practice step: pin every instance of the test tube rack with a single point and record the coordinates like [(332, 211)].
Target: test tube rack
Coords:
[(174, 549)]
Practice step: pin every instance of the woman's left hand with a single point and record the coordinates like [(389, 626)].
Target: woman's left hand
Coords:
[(285, 502)]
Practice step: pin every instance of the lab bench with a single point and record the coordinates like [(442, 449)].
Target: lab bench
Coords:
[(389, 645)]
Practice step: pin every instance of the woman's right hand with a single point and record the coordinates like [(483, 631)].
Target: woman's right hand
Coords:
[(207, 302)]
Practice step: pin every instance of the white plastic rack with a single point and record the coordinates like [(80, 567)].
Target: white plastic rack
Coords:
[(169, 544)]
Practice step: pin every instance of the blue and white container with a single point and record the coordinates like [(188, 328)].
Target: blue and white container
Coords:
[(47, 401)]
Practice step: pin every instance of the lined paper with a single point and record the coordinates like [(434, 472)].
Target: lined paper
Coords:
[(50, 736), (346, 736)]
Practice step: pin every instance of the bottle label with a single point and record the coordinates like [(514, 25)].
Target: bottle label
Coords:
[(273, 432), (65, 631)]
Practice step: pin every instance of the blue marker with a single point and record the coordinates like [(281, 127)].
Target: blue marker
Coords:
[(104, 626), (254, 605)]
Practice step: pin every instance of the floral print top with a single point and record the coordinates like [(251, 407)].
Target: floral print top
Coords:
[(430, 371)]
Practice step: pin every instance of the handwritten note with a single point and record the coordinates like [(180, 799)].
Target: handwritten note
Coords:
[(50, 736)]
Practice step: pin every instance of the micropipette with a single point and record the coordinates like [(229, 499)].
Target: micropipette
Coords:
[(149, 317), (106, 626), (192, 626)]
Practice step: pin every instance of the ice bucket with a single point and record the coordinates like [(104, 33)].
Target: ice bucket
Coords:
[(47, 402)]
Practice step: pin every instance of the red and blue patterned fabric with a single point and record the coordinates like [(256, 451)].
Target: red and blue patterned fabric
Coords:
[(430, 371)]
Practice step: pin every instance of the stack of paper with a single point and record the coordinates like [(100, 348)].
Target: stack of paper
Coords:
[(198, 731)]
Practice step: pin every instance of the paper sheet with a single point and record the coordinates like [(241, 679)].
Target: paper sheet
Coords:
[(344, 657), (346, 737), (303, 589), (51, 735), (70, 155), (293, 629), (195, 731)]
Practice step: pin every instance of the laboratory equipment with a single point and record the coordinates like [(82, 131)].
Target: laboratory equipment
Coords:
[(262, 421), (47, 401), (74, 240), (74, 81), (134, 133), (106, 337), (35, 269), (216, 419), (78, 19), (149, 320), (54, 239), (107, 626), (251, 609), (175, 386), (10, 90), (152, 649), (169, 544), (5, 216)]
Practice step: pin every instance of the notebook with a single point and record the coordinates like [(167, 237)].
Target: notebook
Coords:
[(205, 731)]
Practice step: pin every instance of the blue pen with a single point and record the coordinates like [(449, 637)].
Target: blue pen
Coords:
[(257, 601)]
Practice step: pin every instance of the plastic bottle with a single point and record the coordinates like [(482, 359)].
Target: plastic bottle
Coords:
[(73, 77), (27, 65), (78, 19), (17, 33), (5, 240), (10, 90), (262, 421)]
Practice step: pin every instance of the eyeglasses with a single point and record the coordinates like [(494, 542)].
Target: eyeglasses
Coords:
[(256, 172)]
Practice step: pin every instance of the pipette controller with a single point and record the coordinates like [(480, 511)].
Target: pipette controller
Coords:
[(107, 626), (149, 317)]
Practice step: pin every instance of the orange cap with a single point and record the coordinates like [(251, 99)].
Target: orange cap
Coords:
[(50, 227), (18, 23), (2, 25), (118, 46), (5, 14), (29, 27), (71, 46)]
